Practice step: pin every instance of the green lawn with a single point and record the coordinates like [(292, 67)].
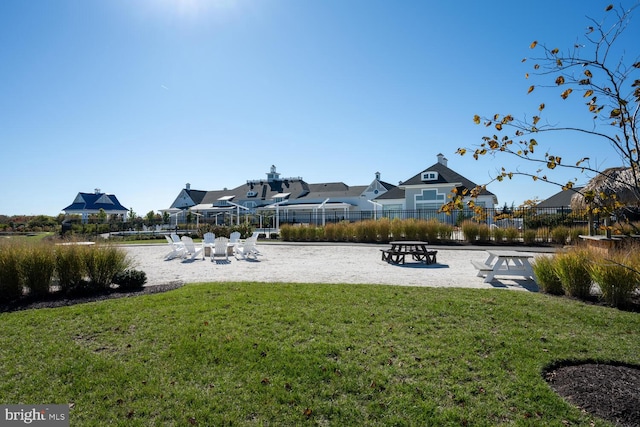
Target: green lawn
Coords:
[(308, 354)]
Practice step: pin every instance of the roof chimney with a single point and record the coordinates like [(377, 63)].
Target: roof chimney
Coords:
[(378, 176), (187, 186), (442, 159)]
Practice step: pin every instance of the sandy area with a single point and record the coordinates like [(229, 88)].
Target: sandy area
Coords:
[(322, 263)]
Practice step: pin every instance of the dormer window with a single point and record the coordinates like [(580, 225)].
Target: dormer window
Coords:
[(429, 176)]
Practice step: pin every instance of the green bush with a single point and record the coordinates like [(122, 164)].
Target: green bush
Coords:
[(70, 266), (511, 234), (103, 263), (546, 275), (572, 269), (529, 237), (616, 280), (445, 231), (37, 268), (383, 230), (285, 232), (560, 234), (397, 229), (130, 280), (10, 279), (484, 233), (470, 231), (498, 234)]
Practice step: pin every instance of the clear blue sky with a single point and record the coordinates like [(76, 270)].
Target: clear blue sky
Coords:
[(139, 97)]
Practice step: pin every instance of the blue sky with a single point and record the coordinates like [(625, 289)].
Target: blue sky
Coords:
[(139, 97)]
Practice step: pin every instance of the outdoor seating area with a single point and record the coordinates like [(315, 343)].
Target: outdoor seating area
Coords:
[(417, 249), (216, 248)]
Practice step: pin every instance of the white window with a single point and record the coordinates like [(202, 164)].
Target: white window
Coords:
[(429, 176)]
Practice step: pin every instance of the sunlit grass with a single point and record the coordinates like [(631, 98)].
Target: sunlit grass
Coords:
[(298, 354)]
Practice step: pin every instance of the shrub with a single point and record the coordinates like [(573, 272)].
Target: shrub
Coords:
[(512, 234), (617, 282), (432, 229), (547, 277), (383, 230), (484, 232), (498, 234), (37, 267), (445, 231), (70, 266), (410, 229), (543, 234), (285, 232), (103, 263), (470, 231), (574, 234), (330, 232), (529, 237), (130, 280), (560, 234), (10, 280), (397, 229), (571, 268)]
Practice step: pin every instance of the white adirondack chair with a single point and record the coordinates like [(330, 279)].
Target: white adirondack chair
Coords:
[(247, 250), (190, 248), (220, 249), (234, 237), (207, 242), (177, 249)]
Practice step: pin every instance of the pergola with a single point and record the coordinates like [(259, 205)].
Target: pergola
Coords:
[(315, 208)]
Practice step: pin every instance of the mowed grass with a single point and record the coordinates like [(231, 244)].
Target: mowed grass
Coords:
[(309, 354)]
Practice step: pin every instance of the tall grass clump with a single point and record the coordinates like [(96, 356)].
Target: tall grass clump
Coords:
[(529, 236), (431, 230), (560, 234), (285, 232), (366, 231), (512, 234), (498, 234), (103, 263), (37, 268), (470, 231), (330, 232), (616, 277), (445, 231), (573, 271), (575, 233), (397, 229), (70, 266), (10, 279), (484, 233), (411, 229), (383, 229), (544, 268)]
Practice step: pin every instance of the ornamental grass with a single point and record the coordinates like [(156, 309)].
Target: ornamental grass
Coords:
[(573, 271)]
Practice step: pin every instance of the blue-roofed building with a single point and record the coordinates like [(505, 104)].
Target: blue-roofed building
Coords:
[(86, 204)]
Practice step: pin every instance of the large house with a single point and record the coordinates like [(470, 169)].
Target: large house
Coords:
[(295, 200), (286, 197), (430, 189), (86, 204)]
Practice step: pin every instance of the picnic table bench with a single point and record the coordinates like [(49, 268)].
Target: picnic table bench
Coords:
[(417, 249), (505, 263)]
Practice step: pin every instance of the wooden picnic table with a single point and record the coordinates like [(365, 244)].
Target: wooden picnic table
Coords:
[(417, 249), (505, 263)]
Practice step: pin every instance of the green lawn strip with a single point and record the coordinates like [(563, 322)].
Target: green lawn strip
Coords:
[(256, 353)]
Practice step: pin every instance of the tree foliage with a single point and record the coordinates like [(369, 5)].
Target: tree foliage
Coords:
[(603, 76)]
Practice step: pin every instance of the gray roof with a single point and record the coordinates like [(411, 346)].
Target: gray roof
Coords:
[(445, 176), (559, 200)]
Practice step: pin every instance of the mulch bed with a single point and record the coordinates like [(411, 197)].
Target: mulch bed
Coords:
[(609, 391), (62, 300)]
